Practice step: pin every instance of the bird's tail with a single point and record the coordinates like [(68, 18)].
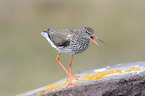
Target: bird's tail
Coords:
[(44, 31)]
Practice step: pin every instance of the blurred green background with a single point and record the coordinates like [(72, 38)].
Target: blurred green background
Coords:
[(27, 61)]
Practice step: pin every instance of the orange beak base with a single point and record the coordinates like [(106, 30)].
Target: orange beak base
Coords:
[(92, 39)]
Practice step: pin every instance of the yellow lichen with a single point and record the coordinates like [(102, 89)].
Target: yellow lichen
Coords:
[(88, 77)]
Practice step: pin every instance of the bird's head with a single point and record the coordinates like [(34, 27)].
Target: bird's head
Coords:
[(89, 33)]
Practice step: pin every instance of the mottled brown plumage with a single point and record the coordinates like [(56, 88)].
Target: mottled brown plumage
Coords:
[(70, 41)]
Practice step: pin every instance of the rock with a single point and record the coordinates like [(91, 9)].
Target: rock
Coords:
[(126, 79)]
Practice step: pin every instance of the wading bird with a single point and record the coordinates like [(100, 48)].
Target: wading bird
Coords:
[(70, 41)]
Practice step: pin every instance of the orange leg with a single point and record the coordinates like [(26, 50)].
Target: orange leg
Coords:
[(68, 74)]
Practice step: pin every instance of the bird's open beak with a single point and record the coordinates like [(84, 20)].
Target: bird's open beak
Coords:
[(92, 39)]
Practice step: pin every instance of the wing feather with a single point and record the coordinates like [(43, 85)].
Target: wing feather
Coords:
[(59, 37)]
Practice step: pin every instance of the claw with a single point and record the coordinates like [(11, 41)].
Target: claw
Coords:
[(71, 85), (69, 76)]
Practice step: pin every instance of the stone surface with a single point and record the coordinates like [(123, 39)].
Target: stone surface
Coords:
[(127, 79)]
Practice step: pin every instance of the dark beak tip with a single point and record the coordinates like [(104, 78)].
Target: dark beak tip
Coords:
[(101, 41), (100, 48)]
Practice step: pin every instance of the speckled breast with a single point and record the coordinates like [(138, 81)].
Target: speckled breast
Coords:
[(76, 47)]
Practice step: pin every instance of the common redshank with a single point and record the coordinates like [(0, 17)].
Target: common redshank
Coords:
[(70, 41)]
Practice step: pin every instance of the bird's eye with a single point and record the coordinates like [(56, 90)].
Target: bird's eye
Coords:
[(87, 32)]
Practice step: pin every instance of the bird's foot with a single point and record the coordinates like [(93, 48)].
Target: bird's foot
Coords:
[(71, 85), (73, 76)]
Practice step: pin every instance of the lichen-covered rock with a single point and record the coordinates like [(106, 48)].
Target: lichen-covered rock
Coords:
[(126, 79)]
